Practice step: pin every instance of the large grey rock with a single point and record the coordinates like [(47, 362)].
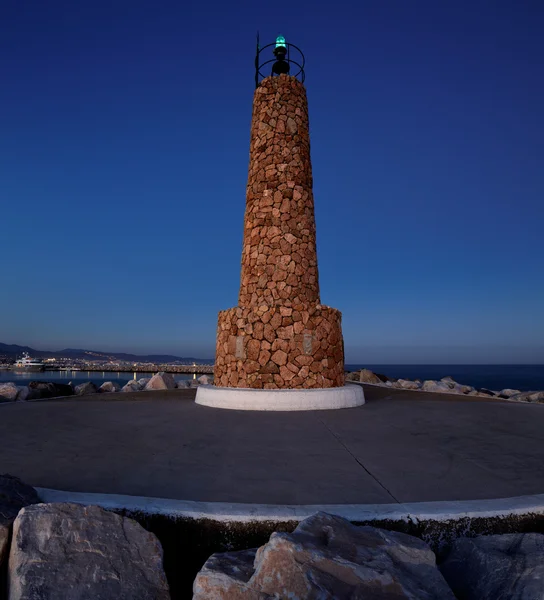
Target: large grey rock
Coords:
[(367, 376), (406, 384), (161, 381), (227, 576), (326, 557), (507, 393), (497, 567), (23, 392), (204, 379), (84, 389), (528, 397), (14, 495), (144, 381), (438, 387), (456, 388), (47, 389), (485, 392), (183, 384), (74, 552), (459, 388), (463, 389), (109, 387), (132, 386), (8, 392), (4, 545)]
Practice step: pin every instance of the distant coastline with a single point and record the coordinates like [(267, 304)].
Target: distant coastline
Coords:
[(10, 351)]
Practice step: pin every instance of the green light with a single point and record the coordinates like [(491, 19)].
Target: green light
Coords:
[(280, 41)]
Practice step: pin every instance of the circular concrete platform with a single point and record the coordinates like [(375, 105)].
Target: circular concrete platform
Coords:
[(348, 396), (400, 447)]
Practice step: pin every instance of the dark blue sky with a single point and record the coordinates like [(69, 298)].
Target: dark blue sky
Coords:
[(124, 138)]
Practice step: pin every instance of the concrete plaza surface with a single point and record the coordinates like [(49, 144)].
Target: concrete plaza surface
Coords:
[(401, 446)]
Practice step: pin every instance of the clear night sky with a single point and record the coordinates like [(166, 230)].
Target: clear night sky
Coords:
[(124, 140)]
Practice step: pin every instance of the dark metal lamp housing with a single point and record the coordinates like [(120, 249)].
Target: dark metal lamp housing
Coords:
[(283, 60)]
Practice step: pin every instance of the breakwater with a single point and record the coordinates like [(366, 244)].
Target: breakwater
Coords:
[(147, 368)]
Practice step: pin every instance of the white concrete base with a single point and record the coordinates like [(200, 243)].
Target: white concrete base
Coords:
[(348, 396), (417, 512)]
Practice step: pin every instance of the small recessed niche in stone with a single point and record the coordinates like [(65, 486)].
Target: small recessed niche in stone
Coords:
[(307, 343), (240, 347)]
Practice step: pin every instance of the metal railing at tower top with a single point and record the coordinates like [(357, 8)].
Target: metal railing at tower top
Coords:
[(285, 55)]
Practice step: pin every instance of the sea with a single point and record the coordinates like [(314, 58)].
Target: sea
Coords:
[(492, 377)]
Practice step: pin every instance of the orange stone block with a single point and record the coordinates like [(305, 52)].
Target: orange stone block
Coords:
[(253, 349), (279, 357)]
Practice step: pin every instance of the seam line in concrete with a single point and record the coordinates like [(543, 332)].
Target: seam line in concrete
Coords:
[(339, 440)]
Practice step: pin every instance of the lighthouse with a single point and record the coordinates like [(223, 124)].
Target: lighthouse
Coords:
[(280, 348)]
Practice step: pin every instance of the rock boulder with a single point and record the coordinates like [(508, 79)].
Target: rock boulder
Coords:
[(326, 557), (161, 381), (367, 376), (69, 551), (352, 376), (14, 495), (528, 397), (109, 387), (4, 544), (183, 384), (406, 384), (132, 386), (438, 387), (204, 379), (227, 575), (485, 392), (84, 389), (459, 388), (23, 393), (46, 389), (8, 392), (493, 567)]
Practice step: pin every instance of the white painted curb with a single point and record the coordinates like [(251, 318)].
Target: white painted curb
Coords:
[(234, 512), (348, 396)]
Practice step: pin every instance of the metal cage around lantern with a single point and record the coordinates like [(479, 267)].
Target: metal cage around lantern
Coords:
[(292, 56)]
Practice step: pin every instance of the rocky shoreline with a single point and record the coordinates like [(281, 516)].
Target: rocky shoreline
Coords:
[(62, 551), (446, 385), (39, 390)]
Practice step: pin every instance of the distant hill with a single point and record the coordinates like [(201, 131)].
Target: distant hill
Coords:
[(13, 350)]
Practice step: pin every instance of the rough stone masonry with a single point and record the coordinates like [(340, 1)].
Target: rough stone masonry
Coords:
[(279, 336)]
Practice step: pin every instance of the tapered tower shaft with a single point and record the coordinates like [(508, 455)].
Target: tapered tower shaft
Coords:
[(279, 260), (279, 336)]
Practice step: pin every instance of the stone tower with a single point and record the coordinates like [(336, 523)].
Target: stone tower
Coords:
[(279, 336)]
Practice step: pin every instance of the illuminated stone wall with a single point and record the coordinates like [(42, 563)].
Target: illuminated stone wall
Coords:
[(279, 336)]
